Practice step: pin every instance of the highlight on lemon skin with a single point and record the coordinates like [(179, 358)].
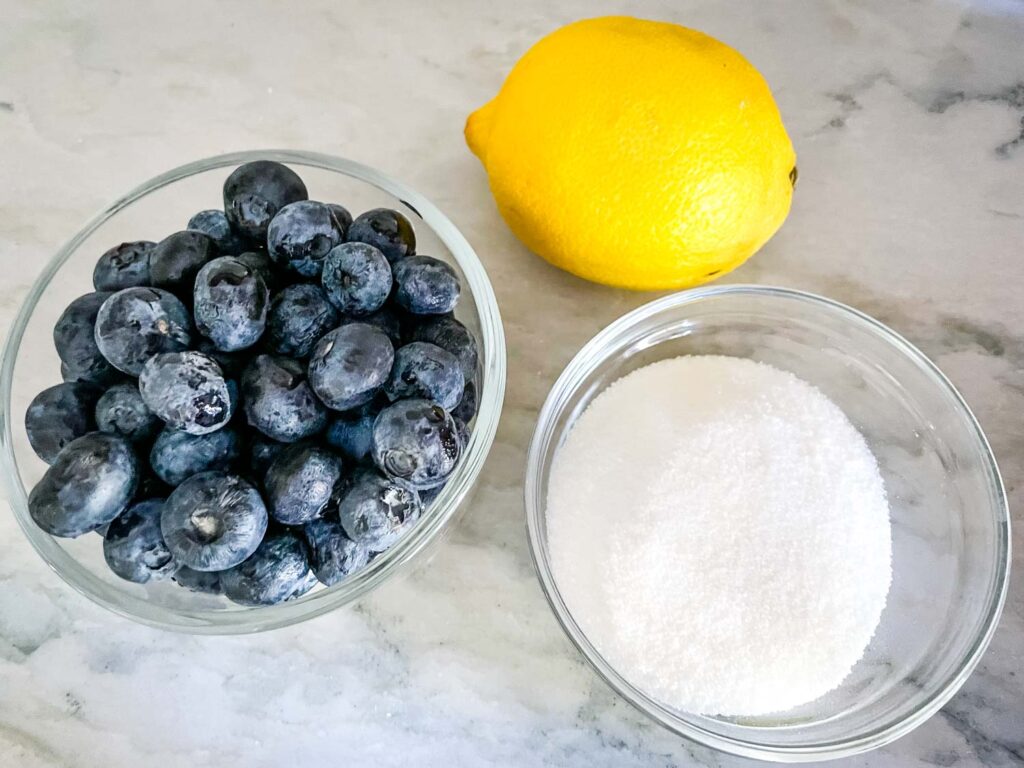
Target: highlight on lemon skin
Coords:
[(636, 153)]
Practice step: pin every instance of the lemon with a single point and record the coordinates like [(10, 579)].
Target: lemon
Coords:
[(636, 153)]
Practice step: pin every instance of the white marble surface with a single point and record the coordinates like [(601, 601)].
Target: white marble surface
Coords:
[(908, 120)]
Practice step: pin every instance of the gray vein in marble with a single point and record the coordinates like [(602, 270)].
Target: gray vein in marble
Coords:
[(1012, 96), (991, 752), (847, 105)]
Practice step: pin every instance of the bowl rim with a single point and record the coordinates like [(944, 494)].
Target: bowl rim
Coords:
[(568, 382), (256, 619)]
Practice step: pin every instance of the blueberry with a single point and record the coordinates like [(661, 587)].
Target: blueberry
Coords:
[(176, 455), (279, 401), (300, 482), (89, 484), (448, 333), (428, 496), (187, 390), (137, 323), (466, 409), (58, 415), (102, 376), (341, 218), (386, 230), (75, 340), (351, 435), (230, 304), (231, 363), (299, 316), (375, 511), (177, 259), (198, 581), (123, 266), (388, 321), (333, 555), (416, 443), (300, 237), (255, 192), (356, 278), (276, 571), (213, 521), (150, 485), (73, 377), (214, 224), (425, 370), (260, 262), (350, 364), (426, 286), (120, 411), (262, 452), (134, 547), (464, 431), (309, 580)]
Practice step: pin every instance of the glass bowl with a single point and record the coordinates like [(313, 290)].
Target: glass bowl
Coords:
[(154, 210), (950, 522)]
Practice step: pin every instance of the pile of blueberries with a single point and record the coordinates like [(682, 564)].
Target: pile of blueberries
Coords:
[(265, 399)]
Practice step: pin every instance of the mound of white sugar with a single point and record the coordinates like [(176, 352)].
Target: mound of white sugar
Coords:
[(720, 531)]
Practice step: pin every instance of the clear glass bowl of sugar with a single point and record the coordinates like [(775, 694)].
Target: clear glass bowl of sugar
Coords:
[(948, 509)]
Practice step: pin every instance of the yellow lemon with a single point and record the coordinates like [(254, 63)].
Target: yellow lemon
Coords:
[(636, 153)]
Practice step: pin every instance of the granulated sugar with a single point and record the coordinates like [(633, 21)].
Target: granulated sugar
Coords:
[(720, 531)]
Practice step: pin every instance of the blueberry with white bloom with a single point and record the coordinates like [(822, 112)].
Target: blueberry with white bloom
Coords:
[(213, 521), (426, 286), (450, 334), (300, 236), (333, 555), (207, 582), (74, 336), (134, 547), (356, 278), (58, 415), (299, 316), (215, 225), (121, 411), (351, 433), (255, 192), (187, 390), (134, 324), (91, 482), (177, 455), (277, 571), (230, 304), (177, 259), (123, 266), (376, 511), (386, 230), (425, 370), (300, 483), (350, 364), (416, 443), (279, 401)]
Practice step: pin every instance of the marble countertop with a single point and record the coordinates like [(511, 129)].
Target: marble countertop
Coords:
[(908, 120)]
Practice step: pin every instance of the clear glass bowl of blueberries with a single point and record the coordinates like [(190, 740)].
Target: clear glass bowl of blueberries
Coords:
[(250, 391)]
